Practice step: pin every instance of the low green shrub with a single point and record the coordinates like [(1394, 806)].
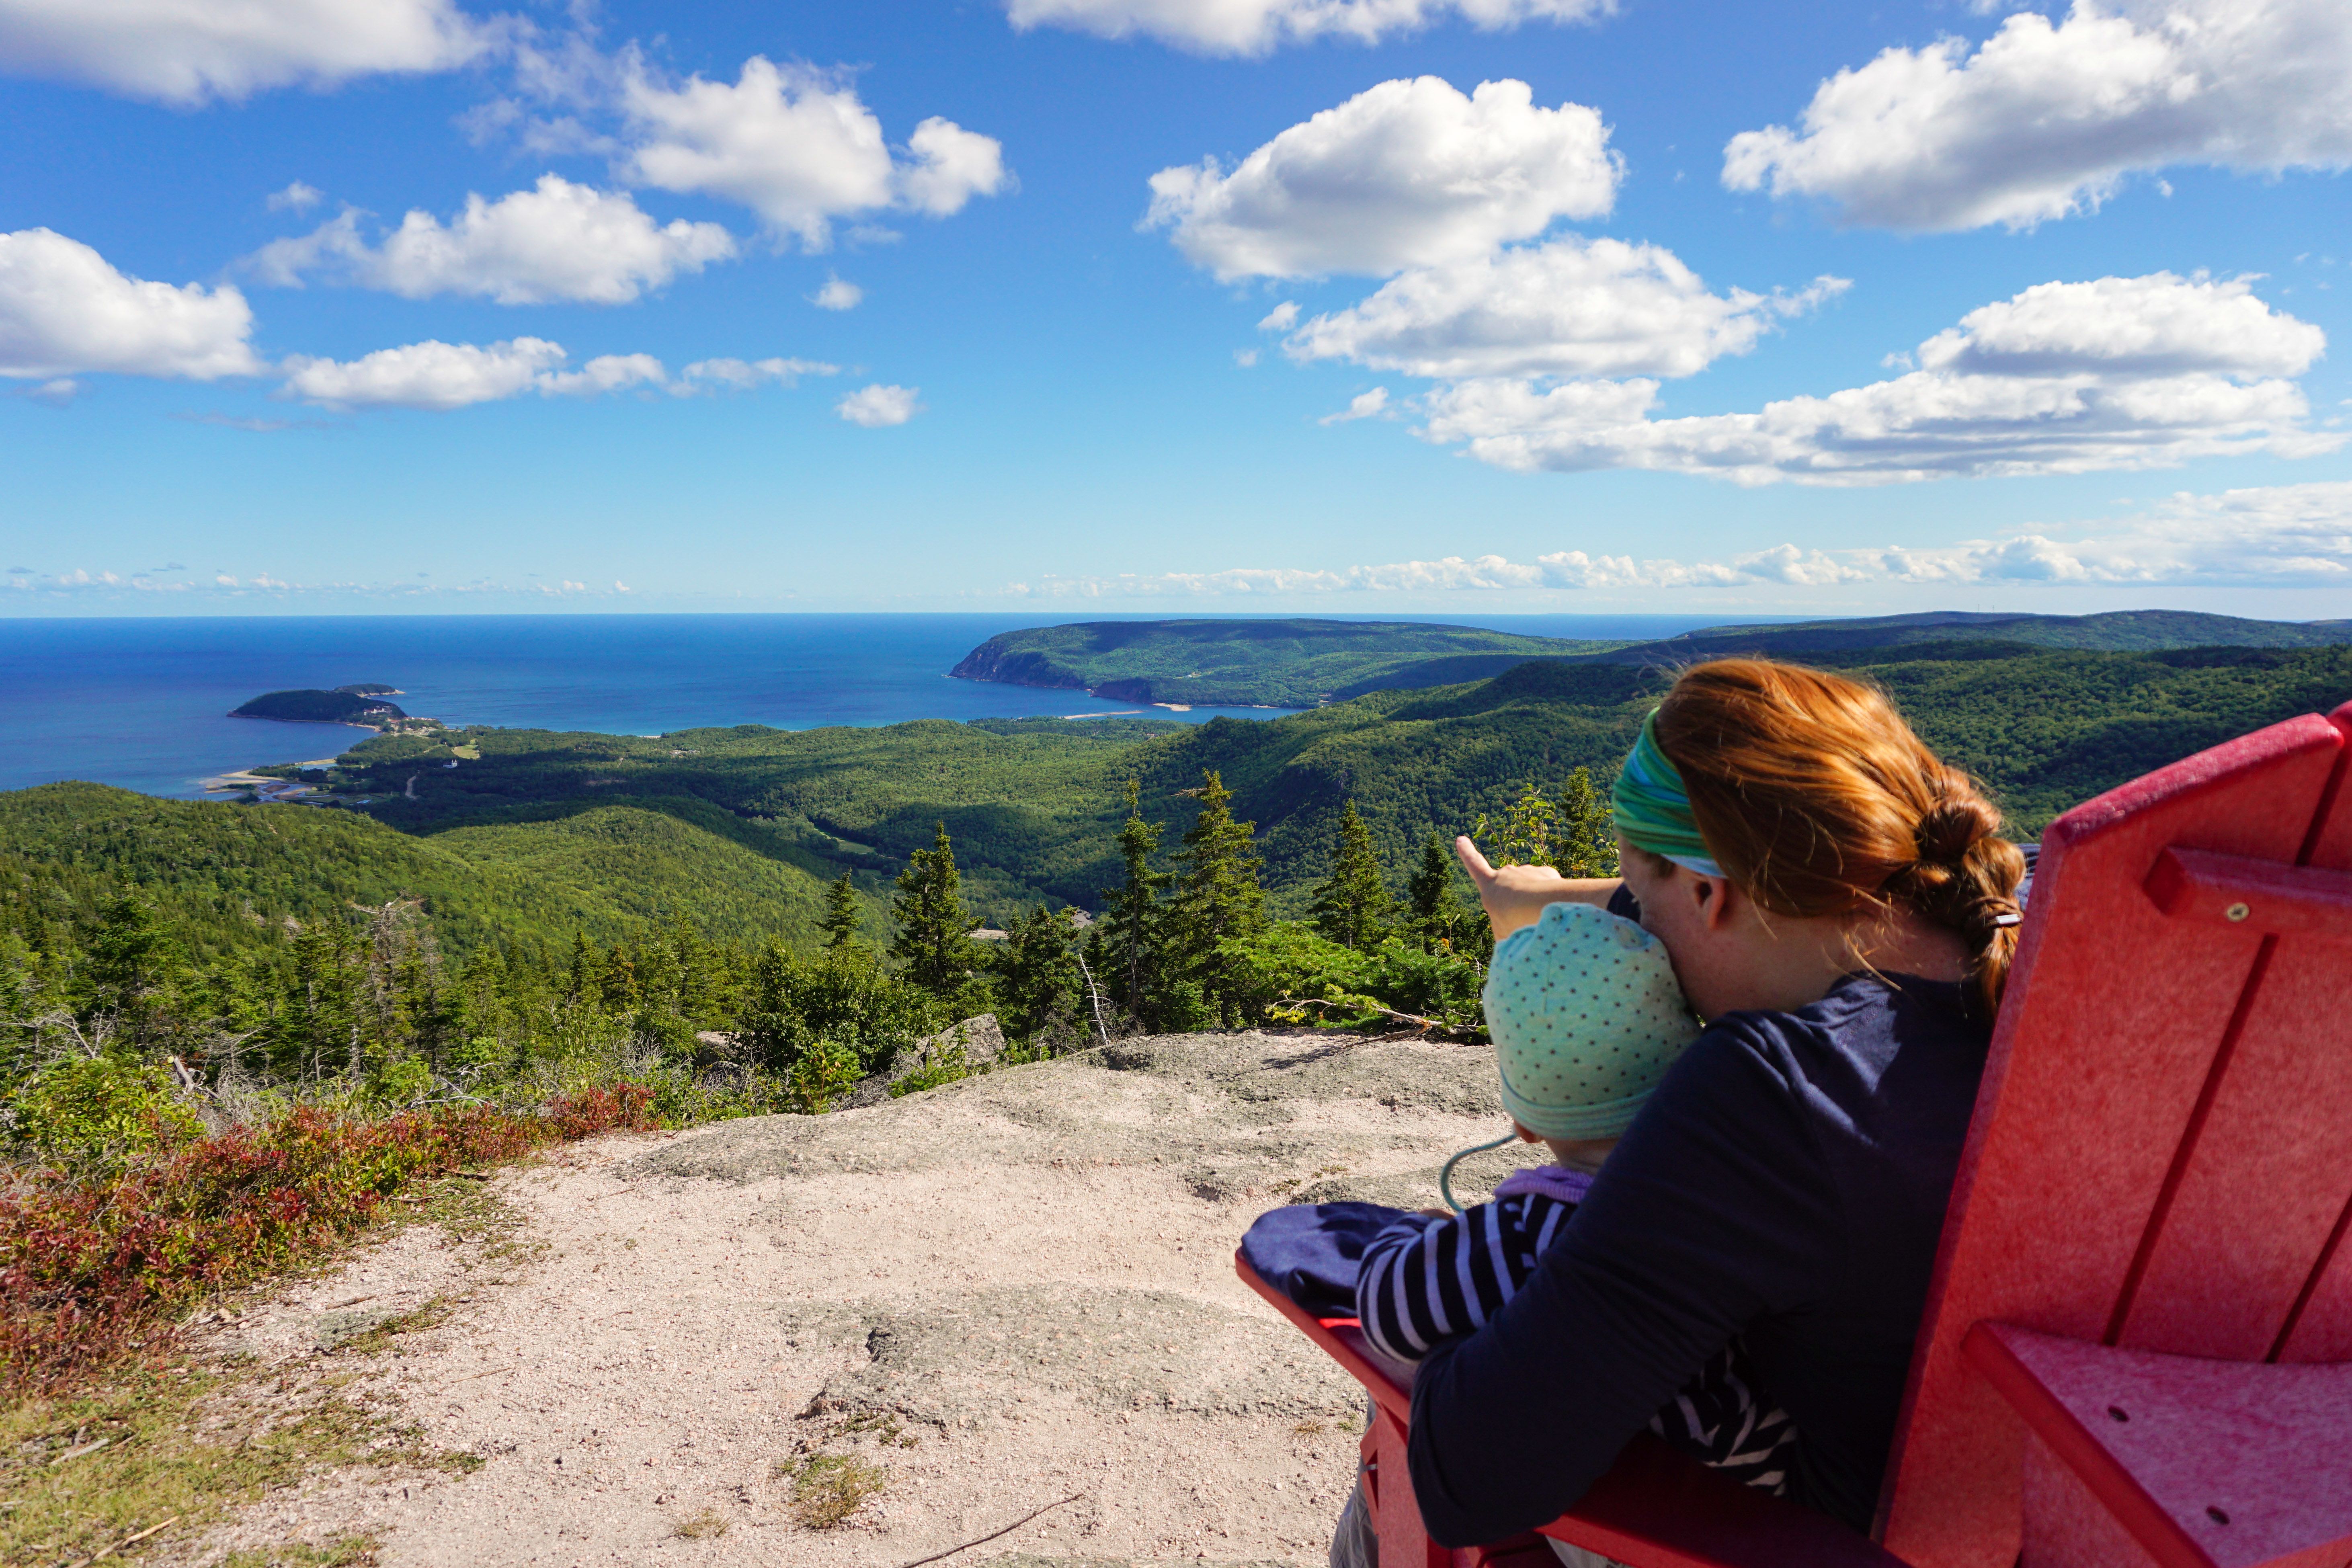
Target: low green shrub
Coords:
[(101, 1111), (1288, 973)]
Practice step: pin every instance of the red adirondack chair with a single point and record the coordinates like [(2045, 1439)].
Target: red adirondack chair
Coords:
[(2137, 1348)]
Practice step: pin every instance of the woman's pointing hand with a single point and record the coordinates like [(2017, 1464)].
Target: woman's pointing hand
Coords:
[(1515, 895)]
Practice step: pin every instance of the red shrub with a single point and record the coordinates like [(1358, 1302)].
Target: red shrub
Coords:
[(91, 1270)]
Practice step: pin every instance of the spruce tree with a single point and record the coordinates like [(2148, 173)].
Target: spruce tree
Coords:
[(583, 978), (617, 985), (1132, 914), (1436, 911), (934, 928), (840, 922), (770, 1027), (1218, 897), (128, 959), (1040, 986), (1584, 844), (1352, 907)]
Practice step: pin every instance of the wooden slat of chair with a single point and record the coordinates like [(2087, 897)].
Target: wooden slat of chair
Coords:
[(2321, 1329), (2264, 1172), (2102, 1058), (2176, 1460)]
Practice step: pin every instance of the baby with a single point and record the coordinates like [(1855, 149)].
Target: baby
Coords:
[(1586, 1017)]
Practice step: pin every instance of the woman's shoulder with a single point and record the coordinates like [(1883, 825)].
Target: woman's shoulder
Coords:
[(1841, 1045), (1861, 1004)]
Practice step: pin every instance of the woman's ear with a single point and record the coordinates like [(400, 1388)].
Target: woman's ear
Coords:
[(1712, 898)]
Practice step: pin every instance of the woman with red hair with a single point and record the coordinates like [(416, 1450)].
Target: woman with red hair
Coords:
[(1840, 909)]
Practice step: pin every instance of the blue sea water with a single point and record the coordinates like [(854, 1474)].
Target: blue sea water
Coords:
[(143, 703)]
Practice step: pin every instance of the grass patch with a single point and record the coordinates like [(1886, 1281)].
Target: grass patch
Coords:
[(708, 1525), (885, 1428), (431, 1314), (189, 1444), (828, 1487), (345, 1552)]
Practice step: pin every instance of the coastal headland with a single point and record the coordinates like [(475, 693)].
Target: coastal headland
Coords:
[(343, 705)]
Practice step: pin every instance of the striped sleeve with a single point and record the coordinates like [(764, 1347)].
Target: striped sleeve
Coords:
[(1721, 1419), (1426, 1279)]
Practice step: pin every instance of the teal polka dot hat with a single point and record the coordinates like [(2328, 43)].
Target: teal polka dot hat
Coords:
[(1586, 1018)]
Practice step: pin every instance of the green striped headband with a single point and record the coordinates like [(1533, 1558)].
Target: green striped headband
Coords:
[(1653, 810)]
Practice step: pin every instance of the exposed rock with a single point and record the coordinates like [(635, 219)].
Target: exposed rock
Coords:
[(1008, 1289), (964, 1361), (1235, 1118), (982, 1038)]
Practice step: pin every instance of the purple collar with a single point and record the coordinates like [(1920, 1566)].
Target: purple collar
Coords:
[(1555, 1182)]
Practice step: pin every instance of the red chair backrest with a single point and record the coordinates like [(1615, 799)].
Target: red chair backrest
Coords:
[(2161, 1156)]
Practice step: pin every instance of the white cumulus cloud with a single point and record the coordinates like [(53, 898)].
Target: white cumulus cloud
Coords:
[(439, 376), (1568, 307), (2154, 326), (2046, 120), (1407, 174), (2063, 378), (186, 51), (605, 373), (1257, 27), (878, 405), (948, 167), (1363, 405), (743, 376), (837, 295), (798, 147), (63, 310), (555, 241), (431, 374)]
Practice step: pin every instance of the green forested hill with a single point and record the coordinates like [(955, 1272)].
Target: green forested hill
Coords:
[(2051, 730), (2112, 631), (229, 873), (1033, 804), (657, 860), (1269, 663), (1301, 663), (1027, 801)]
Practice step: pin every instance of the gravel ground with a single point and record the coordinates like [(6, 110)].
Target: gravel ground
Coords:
[(1000, 1293)]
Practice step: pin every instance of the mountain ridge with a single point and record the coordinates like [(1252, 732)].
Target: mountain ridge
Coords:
[(1304, 662)]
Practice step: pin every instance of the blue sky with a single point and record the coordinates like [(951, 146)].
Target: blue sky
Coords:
[(1695, 307)]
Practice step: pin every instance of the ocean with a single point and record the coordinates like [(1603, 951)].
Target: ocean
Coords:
[(142, 703)]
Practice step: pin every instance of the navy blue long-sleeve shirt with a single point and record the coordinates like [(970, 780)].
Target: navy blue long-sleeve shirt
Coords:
[(1787, 1181)]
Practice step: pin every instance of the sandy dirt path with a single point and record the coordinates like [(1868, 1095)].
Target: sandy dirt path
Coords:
[(1004, 1292)]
